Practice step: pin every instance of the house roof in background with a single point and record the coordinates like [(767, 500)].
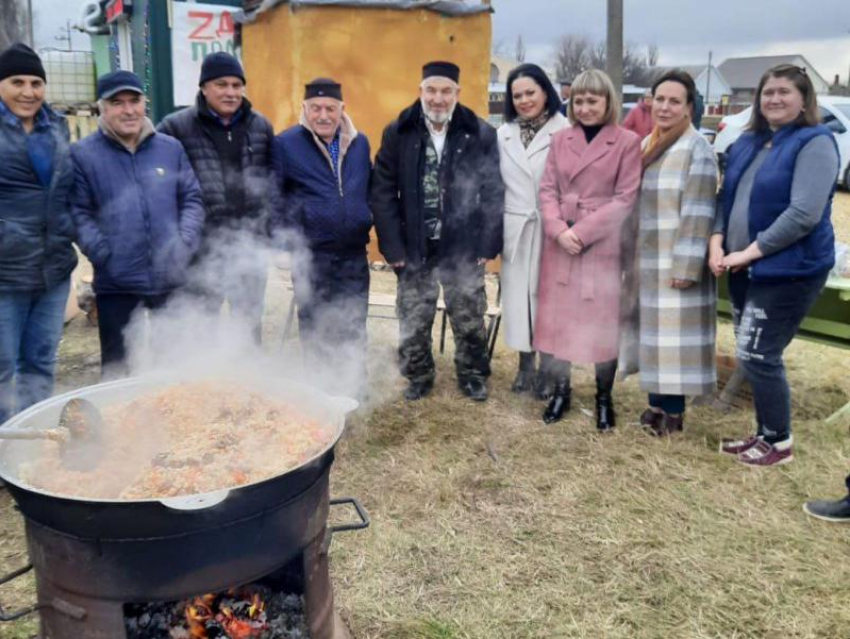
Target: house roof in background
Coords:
[(694, 70), (745, 73)]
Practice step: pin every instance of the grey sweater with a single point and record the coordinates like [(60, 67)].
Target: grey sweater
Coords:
[(815, 172)]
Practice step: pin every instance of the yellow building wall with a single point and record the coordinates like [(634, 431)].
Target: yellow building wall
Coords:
[(376, 54)]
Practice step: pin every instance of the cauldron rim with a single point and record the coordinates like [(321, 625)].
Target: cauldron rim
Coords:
[(343, 405)]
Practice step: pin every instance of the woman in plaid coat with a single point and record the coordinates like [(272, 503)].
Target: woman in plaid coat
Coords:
[(677, 290)]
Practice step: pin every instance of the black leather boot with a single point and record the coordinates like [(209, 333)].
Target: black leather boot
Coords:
[(524, 380), (606, 419), (605, 375), (543, 380), (559, 404)]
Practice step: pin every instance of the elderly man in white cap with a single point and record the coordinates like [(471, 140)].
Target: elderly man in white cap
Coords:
[(323, 166), (438, 201)]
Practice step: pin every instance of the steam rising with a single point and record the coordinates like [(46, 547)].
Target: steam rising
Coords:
[(188, 339)]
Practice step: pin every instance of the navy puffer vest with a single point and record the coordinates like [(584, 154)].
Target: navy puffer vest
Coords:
[(771, 194)]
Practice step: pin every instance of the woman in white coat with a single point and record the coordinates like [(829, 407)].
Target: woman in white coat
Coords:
[(532, 116)]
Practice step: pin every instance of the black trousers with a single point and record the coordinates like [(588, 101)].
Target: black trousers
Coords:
[(114, 311), (606, 372), (232, 265), (466, 304), (332, 295)]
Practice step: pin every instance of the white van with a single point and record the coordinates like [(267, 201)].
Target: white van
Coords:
[(834, 112)]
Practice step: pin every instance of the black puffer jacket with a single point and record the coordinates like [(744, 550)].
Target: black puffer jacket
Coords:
[(262, 200), (474, 195)]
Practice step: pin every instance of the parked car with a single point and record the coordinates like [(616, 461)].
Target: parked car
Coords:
[(627, 107), (834, 112)]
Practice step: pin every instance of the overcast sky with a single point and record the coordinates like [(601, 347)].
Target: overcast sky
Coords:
[(684, 30)]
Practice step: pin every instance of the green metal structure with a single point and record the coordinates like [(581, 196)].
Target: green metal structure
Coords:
[(151, 47)]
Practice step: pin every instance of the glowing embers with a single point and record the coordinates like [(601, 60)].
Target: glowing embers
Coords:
[(251, 612)]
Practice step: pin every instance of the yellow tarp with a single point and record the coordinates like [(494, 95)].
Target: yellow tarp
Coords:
[(376, 54)]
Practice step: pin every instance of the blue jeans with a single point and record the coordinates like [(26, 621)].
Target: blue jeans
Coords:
[(30, 329), (767, 316)]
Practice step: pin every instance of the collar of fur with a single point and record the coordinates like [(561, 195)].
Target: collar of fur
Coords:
[(347, 133), (463, 118)]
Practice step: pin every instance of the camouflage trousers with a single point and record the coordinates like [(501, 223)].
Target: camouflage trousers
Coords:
[(466, 304)]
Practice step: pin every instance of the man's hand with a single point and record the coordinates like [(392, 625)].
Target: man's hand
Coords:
[(570, 243)]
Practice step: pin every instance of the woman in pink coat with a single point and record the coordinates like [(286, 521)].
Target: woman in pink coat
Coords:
[(587, 192)]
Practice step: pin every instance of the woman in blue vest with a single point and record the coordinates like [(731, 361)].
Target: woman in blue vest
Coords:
[(774, 237), (36, 231)]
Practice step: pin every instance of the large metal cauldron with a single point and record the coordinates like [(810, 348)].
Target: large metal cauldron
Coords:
[(168, 549)]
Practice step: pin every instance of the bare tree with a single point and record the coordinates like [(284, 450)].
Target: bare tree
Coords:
[(576, 53), (652, 55), (519, 53), (572, 55), (498, 48), (12, 23), (634, 65), (598, 55)]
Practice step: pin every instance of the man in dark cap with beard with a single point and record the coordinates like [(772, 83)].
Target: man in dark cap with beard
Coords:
[(438, 201), (323, 166), (229, 147)]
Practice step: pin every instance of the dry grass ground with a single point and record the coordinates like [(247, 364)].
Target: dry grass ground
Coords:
[(486, 524)]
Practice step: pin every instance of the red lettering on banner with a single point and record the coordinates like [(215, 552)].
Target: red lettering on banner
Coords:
[(225, 24), (207, 19)]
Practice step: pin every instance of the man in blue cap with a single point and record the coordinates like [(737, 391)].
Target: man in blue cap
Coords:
[(138, 212), (229, 146)]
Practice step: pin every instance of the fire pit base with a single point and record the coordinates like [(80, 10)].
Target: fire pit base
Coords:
[(65, 615)]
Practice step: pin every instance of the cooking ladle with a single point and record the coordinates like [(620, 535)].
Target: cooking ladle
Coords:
[(78, 434)]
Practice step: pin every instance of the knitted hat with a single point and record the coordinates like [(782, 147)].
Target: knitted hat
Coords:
[(323, 88), (440, 69), (220, 65), (114, 83), (19, 59)]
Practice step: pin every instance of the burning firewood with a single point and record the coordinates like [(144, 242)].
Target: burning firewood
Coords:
[(252, 612)]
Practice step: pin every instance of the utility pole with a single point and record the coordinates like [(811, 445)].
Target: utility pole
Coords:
[(708, 80), (614, 57), (30, 28), (66, 36)]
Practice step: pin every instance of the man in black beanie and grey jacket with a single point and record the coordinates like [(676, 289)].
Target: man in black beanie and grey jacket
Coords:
[(229, 146)]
